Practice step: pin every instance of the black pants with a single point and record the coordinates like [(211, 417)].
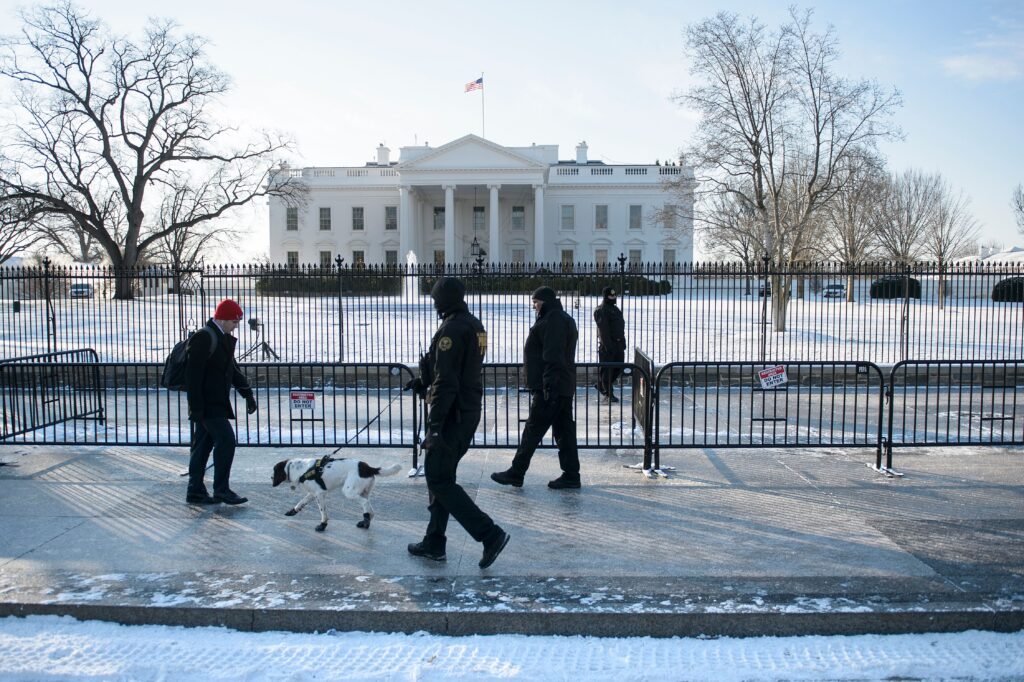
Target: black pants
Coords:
[(557, 416), (606, 381), (447, 498), (216, 435)]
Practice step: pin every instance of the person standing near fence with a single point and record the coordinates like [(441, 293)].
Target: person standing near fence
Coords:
[(210, 372), (549, 359), (454, 392), (611, 342)]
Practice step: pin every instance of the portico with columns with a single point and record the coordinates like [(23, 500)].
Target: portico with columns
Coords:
[(473, 198)]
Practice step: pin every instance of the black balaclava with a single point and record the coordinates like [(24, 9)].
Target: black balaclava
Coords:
[(546, 295), (448, 294)]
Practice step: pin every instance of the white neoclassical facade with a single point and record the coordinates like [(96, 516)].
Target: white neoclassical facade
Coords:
[(516, 204)]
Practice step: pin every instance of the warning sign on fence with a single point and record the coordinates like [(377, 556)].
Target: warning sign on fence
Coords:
[(773, 376), (303, 400)]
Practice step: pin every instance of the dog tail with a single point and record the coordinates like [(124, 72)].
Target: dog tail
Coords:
[(391, 470)]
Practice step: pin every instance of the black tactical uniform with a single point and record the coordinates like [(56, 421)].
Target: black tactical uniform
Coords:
[(454, 394), (550, 366), (611, 343)]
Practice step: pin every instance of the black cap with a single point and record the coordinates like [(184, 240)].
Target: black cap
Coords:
[(447, 293), (608, 291), (546, 294)]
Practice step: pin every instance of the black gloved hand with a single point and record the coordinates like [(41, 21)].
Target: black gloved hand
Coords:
[(250, 404), (416, 386)]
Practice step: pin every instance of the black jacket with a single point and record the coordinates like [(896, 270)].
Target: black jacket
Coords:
[(550, 352), (209, 378), (455, 357), (611, 327)]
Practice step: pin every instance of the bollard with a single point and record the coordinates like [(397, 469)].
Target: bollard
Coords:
[(16, 306)]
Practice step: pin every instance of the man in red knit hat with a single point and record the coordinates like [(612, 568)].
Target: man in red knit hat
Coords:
[(210, 372)]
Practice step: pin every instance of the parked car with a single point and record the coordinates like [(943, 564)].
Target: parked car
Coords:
[(1009, 289), (895, 286), (81, 290), (834, 291)]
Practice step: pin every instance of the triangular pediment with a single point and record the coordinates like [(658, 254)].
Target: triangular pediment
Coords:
[(471, 152)]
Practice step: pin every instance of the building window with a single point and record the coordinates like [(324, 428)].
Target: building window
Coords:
[(568, 217), (439, 217), (438, 256), (670, 215), (518, 255), (567, 257), (635, 257), (357, 218), (518, 218), (292, 217), (601, 217), (391, 257), (390, 217), (478, 218), (292, 257), (325, 259), (601, 258), (358, 257), (634, 216), (325, 219), (668, 256)]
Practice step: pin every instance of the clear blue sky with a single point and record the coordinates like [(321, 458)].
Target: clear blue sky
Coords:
[(341, 77)]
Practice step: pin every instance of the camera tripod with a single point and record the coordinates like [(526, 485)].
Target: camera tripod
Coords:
[(259, 345)]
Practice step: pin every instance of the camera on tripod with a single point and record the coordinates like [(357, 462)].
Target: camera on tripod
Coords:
[(255, 326)]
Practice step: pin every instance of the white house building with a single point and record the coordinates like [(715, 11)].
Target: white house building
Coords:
[(516, 204)]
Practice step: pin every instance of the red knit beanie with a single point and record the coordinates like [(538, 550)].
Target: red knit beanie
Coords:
[(228, 310)]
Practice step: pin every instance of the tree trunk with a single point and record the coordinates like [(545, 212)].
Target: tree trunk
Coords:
[(850, 279), (780, 301)]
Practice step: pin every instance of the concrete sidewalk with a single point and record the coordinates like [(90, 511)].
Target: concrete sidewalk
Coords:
[(737, 542)]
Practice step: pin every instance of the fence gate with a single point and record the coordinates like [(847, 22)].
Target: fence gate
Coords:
[(965, 402), (43, 391), (752, 404)]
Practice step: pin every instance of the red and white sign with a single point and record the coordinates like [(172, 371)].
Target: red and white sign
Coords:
[(303, 400), (773, 376)]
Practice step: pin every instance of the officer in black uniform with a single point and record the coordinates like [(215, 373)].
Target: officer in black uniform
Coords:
[(550, 365), (454, 392), (611, 342)]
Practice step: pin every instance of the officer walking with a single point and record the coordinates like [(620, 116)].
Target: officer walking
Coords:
[(611, 342), (454, 392), (550, 365)]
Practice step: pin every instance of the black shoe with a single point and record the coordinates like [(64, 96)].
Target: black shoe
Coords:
[(562, 482), (493, 548), (200, 498), (507, 478), (230, 497), (612, 398), (599, 389), (426, 551)]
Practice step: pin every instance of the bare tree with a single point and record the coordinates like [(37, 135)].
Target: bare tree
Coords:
[(850, 218), (953, 232), (16, 233), (1018, 207), (777, 124), (107, 126), (906, 213)]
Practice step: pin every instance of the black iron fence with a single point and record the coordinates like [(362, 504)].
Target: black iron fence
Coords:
[(49, 390), (880, 313)]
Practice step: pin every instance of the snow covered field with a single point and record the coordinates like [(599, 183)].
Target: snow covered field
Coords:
[(61, 648)]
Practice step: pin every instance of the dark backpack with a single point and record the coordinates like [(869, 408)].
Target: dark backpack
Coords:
[(173, 377)]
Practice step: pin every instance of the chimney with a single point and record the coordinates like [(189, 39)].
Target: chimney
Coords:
[(383, 155), (581, 153)]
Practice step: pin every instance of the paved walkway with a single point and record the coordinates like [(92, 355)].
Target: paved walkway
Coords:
[(738, 542)]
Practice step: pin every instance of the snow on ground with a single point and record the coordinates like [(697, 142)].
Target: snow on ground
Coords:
[(61, 648)]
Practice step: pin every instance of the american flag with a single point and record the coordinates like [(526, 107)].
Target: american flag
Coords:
[(478, 84)]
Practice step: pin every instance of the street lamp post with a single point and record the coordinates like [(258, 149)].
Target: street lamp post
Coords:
[(479, 255)]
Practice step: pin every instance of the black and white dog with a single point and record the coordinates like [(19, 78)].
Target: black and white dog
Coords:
[(320, 475)]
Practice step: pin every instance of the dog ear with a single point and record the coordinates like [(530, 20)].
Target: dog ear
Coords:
[(280, 474)]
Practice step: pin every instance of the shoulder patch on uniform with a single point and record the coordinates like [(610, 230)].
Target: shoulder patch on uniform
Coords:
[(444, 343), (481, 343)]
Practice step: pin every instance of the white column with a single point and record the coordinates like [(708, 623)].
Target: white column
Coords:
[(494, 256), (449, 224), (405, 223), (538, 223)]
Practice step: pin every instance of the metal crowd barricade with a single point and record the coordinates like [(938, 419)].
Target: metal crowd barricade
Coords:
[(300, 404), (955, 402), (600, 424), (725, 405), (47, 389)]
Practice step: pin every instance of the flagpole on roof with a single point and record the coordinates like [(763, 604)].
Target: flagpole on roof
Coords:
[(483, 119)]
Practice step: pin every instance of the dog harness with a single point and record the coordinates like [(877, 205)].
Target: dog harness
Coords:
[(316, 472)]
